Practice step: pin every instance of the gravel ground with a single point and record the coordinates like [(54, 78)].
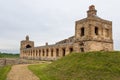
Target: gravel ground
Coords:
[(21, 72)]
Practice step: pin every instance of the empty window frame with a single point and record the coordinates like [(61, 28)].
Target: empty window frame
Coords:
[(82, 49), (96, 30), (82, 31)]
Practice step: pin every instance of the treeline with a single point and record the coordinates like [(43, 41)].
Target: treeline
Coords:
[(8, 55)]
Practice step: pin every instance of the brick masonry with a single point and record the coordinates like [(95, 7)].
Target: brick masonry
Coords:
[(91, 34)]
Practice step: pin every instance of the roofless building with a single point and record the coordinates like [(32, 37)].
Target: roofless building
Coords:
[(91, 34)]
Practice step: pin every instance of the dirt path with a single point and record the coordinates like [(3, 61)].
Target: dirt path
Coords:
[(21, 72)]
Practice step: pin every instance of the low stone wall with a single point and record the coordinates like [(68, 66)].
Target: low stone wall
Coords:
[(13, 61), (4, 61)]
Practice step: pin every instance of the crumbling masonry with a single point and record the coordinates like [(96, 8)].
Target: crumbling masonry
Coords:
[(91, 34)]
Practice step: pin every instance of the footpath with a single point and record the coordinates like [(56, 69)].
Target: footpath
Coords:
[(21, 72)]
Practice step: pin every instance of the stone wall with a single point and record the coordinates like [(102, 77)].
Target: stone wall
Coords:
[(12, 61), (4, 61)]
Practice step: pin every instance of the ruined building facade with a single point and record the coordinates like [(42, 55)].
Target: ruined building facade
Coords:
[(91, 34)]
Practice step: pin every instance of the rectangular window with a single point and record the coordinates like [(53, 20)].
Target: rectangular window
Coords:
[(96, 30), (82, 49), (82, 31)]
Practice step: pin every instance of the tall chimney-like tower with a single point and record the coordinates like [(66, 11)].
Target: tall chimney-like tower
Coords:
[(92, 11), (27, 38)]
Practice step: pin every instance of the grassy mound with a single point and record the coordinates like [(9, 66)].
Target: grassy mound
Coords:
[(81, 66), (4, 71)]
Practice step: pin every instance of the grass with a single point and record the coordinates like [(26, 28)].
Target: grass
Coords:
[(9, 55), (81, 66), (4, 71)]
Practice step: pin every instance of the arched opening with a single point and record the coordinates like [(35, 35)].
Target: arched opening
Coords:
[(28, 46), (36, 51), (57, 52), (82, 31), (63, 52), (71, 50), (52, 52), (96, 30), (39, 52)]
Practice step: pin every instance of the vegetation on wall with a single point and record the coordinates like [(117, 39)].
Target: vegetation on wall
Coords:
[(81, 66)]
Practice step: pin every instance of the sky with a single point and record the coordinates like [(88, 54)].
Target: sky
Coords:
[(50, 20)]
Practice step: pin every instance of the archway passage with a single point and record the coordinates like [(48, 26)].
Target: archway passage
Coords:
[(63, 51), (71, 50), (28, 46), (57, 52)]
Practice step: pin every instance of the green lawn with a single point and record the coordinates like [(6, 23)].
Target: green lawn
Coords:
[(81, 66), (4, 71)]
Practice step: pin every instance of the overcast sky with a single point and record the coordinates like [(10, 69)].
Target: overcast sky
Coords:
[(50, 20)]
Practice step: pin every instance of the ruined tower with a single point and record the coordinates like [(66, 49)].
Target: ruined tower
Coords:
[(93, 33), (26, 44)]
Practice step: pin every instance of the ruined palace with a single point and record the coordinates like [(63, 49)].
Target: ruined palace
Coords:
[(91, 34)]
